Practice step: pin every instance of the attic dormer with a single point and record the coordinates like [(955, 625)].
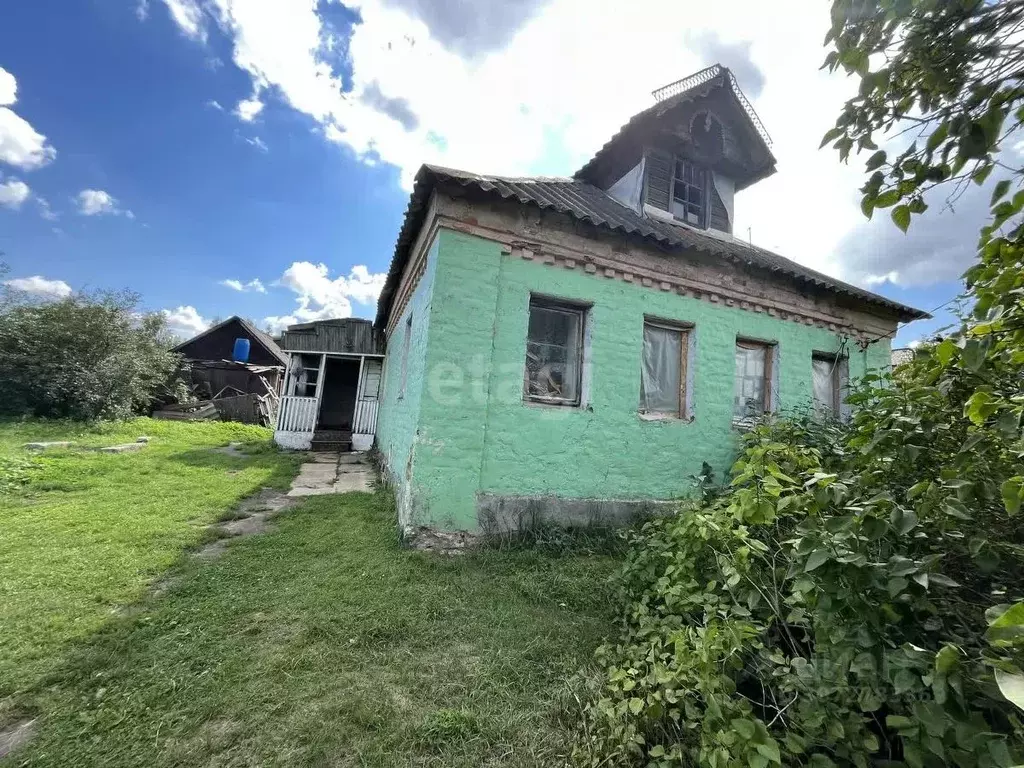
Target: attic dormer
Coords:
[(683, 159)]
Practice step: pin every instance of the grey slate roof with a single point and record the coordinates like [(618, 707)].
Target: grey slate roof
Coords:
[(588, 203)]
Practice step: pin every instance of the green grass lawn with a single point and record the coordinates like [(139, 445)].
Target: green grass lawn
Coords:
[(325, 643), (85, 532)]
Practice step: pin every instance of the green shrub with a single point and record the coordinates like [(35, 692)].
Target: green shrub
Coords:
[(84, 357), (833, 606)]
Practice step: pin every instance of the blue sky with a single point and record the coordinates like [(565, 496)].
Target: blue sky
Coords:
[(194, 148)]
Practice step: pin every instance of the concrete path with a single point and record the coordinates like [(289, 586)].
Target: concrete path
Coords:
[(333, 472)]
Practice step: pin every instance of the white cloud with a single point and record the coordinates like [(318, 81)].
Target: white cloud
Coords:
[(253, 285), (40, 287), (321, 297), (188, 16), (8, 88), (142, 10), (96, 202), (248, 109), (21, 145), (45, 211), (13, 193), (523, 88), (185, 321), (256, 142), (215, 104)]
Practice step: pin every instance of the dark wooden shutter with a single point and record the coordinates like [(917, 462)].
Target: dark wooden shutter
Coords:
[(658, 179), (719, 218)]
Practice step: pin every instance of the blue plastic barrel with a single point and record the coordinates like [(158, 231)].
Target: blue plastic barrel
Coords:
[(241, 351)]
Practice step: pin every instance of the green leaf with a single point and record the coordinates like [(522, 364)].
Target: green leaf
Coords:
[(1000, 191), (908, 522), (944, 352), (899, 722), (770, 750), (636, 705), (937, 136), (974, 354), (887, 199), (980, 175), (831, 135), (946, 658), (1013, 494), (877, 160), (744, 728), (901, 216), (656, 751), (818, 558), (979, 407), (1011, 685)]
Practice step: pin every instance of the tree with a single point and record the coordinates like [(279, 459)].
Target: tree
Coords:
[(87, 356), (856, 595)]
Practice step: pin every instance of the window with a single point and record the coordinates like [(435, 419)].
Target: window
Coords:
[(663, 370), (305, 374), (371, 381), (753, 380), (689, 191), (405, 355), (829, 381), (554, 353)]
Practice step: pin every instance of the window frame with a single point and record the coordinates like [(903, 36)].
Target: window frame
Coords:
[(705, 212), (769, 347), (838, 374), (685, 331), (569, 307)]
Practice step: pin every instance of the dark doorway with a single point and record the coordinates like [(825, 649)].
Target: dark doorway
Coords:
[(338, 402)]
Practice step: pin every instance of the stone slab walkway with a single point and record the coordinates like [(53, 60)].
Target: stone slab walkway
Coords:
[(333, 472)]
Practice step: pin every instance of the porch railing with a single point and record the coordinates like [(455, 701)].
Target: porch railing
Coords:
[(365, 422), (296, 414)]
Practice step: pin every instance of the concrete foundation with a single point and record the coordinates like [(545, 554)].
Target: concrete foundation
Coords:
[(510, 514)]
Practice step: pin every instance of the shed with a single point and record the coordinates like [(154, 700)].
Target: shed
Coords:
[(218, 341)]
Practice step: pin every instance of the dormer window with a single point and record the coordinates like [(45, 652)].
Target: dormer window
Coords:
[(689, 193)]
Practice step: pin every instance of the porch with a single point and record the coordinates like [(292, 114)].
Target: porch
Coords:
[(330, 402)]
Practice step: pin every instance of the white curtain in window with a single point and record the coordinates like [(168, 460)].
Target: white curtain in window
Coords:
[(751, 361), (825, 374), (659, 374)]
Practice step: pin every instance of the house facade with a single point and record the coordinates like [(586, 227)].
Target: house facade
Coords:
[(573, 350)]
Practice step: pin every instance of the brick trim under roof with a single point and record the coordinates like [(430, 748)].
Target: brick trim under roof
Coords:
[(587, 203)]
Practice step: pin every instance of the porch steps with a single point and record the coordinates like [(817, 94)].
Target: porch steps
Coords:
[(331, 440)]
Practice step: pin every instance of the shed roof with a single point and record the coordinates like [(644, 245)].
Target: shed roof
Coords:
[(350, 335), (255, 333), (588, 203)]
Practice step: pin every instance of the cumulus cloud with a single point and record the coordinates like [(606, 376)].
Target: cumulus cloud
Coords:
[(13, 193), (536, 86), (248, 109), (472, 28), (96, 202), (21, 145), (253, 286), (736, 56), (397, 109), (45, 211), (40, 287), (185, 321), (321, 297)]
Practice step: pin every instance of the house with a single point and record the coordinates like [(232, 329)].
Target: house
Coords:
[(573, 349), (243, 390), (331, 389)]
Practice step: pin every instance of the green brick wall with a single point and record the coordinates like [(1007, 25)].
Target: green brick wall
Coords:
[(476, 435)]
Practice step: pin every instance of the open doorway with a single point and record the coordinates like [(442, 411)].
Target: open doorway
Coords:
[(338, 399)]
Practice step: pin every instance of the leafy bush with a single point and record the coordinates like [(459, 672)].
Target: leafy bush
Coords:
[(83, 357), (845, 601)]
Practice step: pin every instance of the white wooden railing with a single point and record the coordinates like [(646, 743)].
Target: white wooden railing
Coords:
[(365, 422), (297, 414)]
